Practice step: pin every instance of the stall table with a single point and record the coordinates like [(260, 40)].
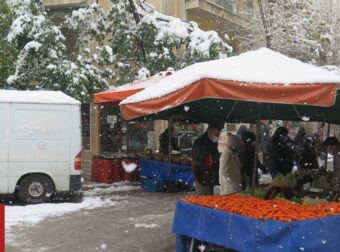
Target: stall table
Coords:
[(243, 233), (160, 171)]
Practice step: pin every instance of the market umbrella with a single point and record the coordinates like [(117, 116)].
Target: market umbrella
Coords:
[(260, 84), (117, 94), (256, 85)]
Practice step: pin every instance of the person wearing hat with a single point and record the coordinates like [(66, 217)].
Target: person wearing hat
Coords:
[(205, 160), (333, 147)]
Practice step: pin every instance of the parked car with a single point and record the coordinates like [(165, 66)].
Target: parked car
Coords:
[(40, 144)]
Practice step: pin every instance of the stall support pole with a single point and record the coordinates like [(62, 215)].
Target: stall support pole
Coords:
[(253, 182), (170, 133), (258, 131), (170, 148), (328, 132)]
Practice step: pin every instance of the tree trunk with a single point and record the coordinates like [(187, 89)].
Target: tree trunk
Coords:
[(265, 25)]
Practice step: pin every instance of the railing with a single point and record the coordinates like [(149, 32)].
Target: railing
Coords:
[(228, 5), (63, 2)]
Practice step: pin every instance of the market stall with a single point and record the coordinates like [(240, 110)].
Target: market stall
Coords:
[(122, 142), (253, 86)]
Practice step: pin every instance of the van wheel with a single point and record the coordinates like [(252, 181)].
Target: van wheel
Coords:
[(35, 189)]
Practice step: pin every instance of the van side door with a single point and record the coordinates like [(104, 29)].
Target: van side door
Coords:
[(4, 138)]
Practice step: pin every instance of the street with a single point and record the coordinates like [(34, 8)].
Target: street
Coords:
[(132, 221)]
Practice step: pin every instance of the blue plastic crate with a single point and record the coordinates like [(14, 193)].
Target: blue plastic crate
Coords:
[(152, 184)]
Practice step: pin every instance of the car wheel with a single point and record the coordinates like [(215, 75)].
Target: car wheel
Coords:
[(35, 189)]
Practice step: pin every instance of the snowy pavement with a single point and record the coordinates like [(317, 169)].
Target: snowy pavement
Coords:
[(116, 218)]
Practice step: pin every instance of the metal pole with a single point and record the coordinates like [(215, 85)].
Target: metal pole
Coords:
[(258, 129), (253, 182), (328, 132), (170, 133)]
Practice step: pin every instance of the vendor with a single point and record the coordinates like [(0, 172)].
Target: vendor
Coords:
[(333, 147), (164, 141), (205, 160)]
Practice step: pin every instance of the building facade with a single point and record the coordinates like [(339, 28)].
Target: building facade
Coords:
[(224, 16)]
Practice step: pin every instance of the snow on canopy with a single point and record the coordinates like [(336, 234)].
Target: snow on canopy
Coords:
[(44, 97), (142, 84), (261, 66)]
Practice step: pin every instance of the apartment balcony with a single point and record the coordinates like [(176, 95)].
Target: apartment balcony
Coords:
[(221, 15), (63, 4)]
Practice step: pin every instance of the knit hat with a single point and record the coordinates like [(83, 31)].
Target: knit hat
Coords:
[(216, 125)]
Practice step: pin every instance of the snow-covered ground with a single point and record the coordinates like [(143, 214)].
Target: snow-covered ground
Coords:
[(105, 219), (17, 216)]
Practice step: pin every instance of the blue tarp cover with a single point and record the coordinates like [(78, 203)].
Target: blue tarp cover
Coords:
[(160, 170), (248, 234)]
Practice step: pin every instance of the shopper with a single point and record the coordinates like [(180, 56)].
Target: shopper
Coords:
[(230, 167), (205, 160), (247, 156), (280, 152), (333, 147), (299, 142), (309, 154), (164, 141)]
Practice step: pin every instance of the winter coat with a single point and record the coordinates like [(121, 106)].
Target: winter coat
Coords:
[(164, 142), (205, 161), (230, 170), (247, 155), (264, 139), (309, 156), (280, 153), (336, 165)]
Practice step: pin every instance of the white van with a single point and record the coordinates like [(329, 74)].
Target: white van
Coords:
[(40, 144)]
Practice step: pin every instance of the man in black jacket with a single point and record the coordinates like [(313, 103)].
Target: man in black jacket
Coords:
[(206, 160)]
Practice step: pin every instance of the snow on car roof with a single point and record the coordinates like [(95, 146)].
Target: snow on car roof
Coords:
[(260, 66), (44, 97)]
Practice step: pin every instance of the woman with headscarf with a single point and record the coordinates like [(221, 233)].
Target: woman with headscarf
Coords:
[(280, 152), (230, 167)]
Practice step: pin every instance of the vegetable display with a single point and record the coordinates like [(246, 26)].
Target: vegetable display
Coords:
[(275, 209)]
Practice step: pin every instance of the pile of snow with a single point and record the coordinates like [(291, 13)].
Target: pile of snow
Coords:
[(111, 189), (55, 97), (144, 225), (32, 214), (142, 84), (260, 66)]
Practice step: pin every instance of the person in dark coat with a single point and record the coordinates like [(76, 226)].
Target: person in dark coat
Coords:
[(309, 155), (206, 159), (164, 141), (247, 155), (280, 150), (333, 147), (299, 142)]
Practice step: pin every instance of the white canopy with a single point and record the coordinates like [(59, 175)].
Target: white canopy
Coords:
[(44, 97)]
